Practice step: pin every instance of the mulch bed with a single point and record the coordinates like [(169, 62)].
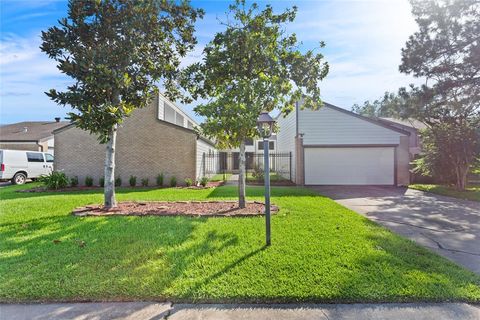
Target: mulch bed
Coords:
[(85, 188), (176, 208)]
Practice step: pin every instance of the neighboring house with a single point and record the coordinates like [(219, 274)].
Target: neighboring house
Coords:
[(30, 135), (153, 140), (333, 146), (412, 126)]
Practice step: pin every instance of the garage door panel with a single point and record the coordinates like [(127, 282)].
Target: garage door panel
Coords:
[(349, 166)]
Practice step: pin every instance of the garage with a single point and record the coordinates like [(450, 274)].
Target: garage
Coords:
[(350, 165)]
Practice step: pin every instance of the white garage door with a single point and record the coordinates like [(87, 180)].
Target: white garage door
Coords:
[(349, 166)]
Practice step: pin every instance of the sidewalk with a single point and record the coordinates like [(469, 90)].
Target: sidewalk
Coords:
[(158, 311)]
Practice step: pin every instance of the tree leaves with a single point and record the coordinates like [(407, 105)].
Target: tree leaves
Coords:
[(252, 66), (116, 51)]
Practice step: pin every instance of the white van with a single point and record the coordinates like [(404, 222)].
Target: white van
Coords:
[(18, 166)]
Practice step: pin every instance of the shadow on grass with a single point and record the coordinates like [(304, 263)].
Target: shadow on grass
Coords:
[(67, 258)]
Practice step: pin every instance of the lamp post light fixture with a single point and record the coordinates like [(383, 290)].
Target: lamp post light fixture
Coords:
[(265, 128)]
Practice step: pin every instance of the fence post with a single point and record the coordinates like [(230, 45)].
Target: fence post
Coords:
[(204, 165), (290, 165)]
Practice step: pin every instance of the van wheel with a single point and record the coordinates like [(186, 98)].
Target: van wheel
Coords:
[(19, 178)]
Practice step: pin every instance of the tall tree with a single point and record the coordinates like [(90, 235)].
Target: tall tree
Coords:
[(252, 66), (387, 107), (446, 51), (116, 51)]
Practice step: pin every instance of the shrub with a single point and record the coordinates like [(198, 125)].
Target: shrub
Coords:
[(74, 181), (88, 181), (118, 182), (258, 174), (145, 182), (173, 182), (160, 179), (132, 181), (188, 182), (101, 182), (55, 180), (204, 181)]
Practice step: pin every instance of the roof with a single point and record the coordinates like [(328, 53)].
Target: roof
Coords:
[(410, 123), (29, 131)]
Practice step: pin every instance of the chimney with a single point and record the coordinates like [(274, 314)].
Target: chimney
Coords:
[(25, 129), (57, 119)]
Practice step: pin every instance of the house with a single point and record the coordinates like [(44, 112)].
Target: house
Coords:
[(333, 146), (411, 125), (229, 160), (159, 138), (30, 135)]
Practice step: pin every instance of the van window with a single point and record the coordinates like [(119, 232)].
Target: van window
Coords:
[(34, 157), (48, 157)]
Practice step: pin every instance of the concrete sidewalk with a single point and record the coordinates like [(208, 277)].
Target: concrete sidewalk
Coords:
[(158, 311)]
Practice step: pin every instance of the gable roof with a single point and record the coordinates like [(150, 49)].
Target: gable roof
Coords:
[(29, 131)]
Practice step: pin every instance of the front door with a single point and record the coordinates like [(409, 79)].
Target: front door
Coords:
[(236, 160)]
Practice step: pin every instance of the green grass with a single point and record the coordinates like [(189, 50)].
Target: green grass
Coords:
[(472, 193), (220, 177), (273, 177), (321, 252)]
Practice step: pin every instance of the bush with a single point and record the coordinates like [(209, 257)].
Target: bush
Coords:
[(160, 179), (145, 182), (188, 182), (258, 174), (118, 182), (55, 180), (204, 181), (173, 182), (88, 181), (101, 182), (74, 181), (132, 181)]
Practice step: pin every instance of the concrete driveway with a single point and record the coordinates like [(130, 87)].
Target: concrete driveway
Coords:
[(448, 226)]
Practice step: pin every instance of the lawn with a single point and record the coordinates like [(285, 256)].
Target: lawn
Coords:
[(472, 193), (220, 177), (321, 252)]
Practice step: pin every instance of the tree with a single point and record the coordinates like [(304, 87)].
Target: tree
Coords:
[(446, 51), (252, 66), (116, 51), (387, 107)]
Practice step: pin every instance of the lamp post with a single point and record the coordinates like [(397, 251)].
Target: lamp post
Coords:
[(265, 128)]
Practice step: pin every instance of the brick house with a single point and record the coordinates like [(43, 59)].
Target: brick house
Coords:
[(30, 135), (159, 138)]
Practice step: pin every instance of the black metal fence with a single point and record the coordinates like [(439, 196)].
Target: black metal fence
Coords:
[(229, 162)]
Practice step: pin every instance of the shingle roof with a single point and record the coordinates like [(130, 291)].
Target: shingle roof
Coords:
[(29, 130), (411, 123)]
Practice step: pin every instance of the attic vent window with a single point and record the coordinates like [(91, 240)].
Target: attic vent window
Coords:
[(25, 129)]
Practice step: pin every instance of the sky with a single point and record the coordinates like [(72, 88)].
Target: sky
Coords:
[(363, 48)]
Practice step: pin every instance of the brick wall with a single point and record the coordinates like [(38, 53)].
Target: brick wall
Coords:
[(146, 147)]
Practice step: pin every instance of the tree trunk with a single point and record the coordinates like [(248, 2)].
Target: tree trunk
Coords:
[(109, 188), (461, 177), (241, 177)]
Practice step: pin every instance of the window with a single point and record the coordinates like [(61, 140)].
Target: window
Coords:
[(168, 113), (34, 157), (249, 142), (178, 119), (48, 157), (271, 145), (190, 125)]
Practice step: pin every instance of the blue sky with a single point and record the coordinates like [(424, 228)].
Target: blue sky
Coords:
[(363, 43)]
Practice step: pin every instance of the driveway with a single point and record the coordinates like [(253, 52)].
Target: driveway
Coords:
[(448, 226)]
